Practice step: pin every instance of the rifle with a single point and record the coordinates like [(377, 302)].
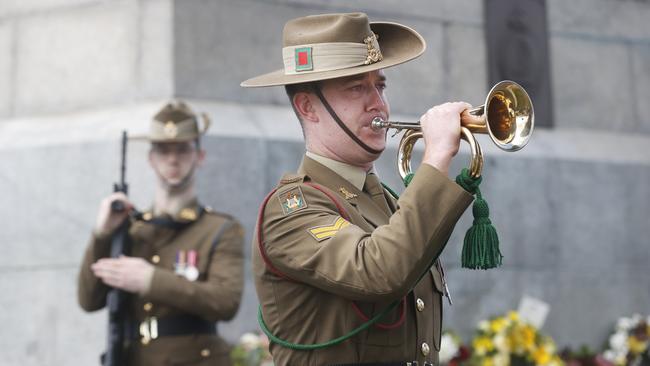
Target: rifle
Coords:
[(116, 300)]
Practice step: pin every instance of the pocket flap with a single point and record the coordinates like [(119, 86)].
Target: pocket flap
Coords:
[(437, 279)]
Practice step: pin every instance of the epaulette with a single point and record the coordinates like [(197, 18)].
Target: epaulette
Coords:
[(289, 178), (210, 211)]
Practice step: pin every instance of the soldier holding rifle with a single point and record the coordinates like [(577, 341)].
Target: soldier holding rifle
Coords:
[(184, 270)]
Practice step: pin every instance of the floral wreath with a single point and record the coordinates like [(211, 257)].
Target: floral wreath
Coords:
[(628, 345), (508, 340)]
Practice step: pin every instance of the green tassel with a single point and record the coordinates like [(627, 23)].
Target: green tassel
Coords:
[(481, 244)]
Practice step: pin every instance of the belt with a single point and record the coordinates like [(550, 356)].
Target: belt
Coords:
[(152, 327), (405, 363)]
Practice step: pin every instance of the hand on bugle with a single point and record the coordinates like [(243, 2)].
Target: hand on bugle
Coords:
[(441, 130)]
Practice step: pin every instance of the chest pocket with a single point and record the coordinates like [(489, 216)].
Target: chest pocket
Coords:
[(395, 336), (204, 267)]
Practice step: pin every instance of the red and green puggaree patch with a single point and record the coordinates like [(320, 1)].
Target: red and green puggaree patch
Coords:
[(304, 60)]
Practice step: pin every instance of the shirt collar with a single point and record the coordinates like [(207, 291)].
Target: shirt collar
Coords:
[(353, 174)]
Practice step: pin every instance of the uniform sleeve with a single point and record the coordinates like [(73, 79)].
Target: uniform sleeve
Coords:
[(218, 297), (372, 266), (91, 291)]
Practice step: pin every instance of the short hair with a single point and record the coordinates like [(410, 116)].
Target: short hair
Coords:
[(293, 89)]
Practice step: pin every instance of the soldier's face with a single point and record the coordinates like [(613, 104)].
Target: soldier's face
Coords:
[(357, 100), (175, 162)]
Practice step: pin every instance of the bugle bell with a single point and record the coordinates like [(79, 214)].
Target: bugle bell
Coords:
[(507, 116)]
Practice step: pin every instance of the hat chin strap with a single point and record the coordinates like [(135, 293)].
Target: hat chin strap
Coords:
[(345, 128)]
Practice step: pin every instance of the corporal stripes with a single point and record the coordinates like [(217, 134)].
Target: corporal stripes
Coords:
[(321, 233)]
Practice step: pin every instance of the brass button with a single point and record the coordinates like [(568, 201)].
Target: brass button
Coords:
[(425, 349), (155, 259), (419, 304), (205, 352), (148, 306)]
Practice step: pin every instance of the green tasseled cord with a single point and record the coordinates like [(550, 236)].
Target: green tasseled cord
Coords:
[(481, 244), (333, 342)]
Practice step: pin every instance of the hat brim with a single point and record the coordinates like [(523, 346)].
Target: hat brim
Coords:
[(162, 140), (398, 44)]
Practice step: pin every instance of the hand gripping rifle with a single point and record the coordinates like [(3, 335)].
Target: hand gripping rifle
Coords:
[(116, 300)]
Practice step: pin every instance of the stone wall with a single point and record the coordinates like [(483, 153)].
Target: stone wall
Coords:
[(572, 208)]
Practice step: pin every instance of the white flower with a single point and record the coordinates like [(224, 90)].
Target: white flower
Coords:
[(501, 358), (249, 341), (448, 348), (618, 342), (484, 325), (500, 343), (609, 355), (550, 347), (624, 324)]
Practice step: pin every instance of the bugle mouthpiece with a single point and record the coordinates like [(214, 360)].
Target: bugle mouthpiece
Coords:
[(378, 123)]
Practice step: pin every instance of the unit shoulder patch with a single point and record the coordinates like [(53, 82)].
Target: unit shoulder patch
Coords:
[(292, 200), (323, 232)]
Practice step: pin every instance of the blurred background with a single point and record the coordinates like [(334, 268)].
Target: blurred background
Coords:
[(572, 208)]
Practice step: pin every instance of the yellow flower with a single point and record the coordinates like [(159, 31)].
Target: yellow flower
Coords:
[(556, 361), (636, 346), (482, 345), (487, 362), (497, 325), (541, 357), (528, 337), (514, 316)]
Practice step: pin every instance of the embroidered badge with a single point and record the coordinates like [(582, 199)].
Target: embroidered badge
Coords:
[(347, 194), (303, 59), (292, 200), (321, 233), (170, 129)]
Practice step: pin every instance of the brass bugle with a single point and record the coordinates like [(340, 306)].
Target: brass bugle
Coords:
[(507, 116)]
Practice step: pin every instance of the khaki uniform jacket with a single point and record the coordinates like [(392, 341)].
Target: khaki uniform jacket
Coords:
[(214, 296), (372, 261)]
